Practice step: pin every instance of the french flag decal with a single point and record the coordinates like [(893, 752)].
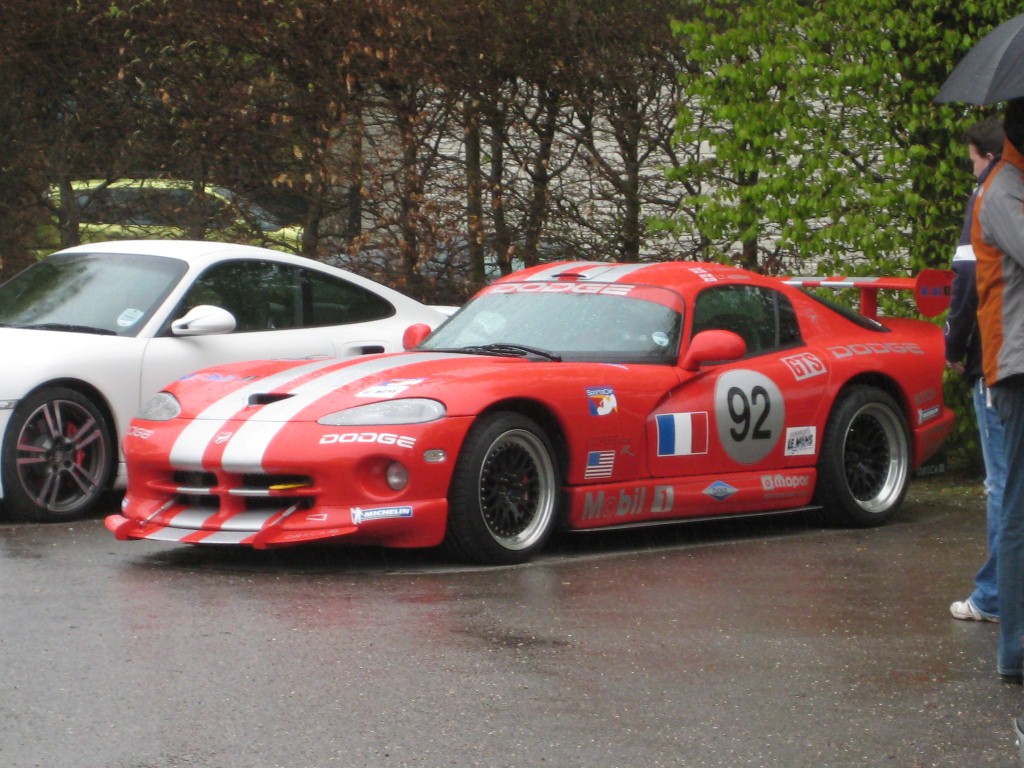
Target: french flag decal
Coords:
[(682, 434)]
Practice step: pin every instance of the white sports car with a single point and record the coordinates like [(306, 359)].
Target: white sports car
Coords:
[(91, 332)]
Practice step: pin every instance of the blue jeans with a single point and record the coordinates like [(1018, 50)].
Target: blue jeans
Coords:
[(990, 430), (1008, 398)]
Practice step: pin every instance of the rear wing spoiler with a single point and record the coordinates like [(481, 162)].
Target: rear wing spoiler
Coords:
[(932, 289)]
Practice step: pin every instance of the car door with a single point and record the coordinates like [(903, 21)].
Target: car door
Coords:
[(742, 435)]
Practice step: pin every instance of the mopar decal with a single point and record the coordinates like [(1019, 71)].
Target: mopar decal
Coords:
[(749, 412), (771, 483), (360, 515)]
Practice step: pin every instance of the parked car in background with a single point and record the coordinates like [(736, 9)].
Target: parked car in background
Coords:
[(90, 332), (579, 395), (131, 209)]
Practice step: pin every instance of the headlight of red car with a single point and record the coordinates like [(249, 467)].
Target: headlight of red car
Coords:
[(413, 410), (163, 406)]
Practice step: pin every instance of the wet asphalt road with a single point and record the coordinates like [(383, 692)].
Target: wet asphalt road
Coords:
[(761, 643)]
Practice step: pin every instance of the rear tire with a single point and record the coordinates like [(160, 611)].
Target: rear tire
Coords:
[(864, 465), (504, 494), (58, 455)]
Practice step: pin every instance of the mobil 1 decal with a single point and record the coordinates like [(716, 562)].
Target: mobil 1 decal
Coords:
[(750, 413)]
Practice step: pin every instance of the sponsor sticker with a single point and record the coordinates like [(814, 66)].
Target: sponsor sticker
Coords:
[(360, 515), (599, 465), (129, 317), (719, 490), (602, 401), (876, 348), (703, 274), (801, 441), (780, 482), (139, 432), (628, 502), (682, 434), (215, 378), (805, 365), (389, 389), (380, 438), (612, 289)]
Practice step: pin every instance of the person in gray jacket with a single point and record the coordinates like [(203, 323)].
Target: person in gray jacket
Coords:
[(997, 236)]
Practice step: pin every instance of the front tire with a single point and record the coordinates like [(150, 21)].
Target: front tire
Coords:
[(504, 494), (864, 465), (58, 455)]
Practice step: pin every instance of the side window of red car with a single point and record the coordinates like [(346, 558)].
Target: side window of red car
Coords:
[(763, 317)]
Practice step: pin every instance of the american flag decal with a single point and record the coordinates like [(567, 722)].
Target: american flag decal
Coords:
[(599, 464)]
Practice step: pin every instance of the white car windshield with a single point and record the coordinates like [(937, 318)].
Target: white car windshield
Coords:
[(567, 321), (113, 294)]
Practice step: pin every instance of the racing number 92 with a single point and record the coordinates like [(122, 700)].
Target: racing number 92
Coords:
[(750, 413)]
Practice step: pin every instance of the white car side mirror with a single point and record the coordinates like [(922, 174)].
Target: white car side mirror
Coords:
[(204, 320)]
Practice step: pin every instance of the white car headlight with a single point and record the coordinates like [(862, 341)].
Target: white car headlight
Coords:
[(162, 406), (413, 410)]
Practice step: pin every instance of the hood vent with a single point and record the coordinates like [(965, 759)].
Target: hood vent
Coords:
[(266, 398)]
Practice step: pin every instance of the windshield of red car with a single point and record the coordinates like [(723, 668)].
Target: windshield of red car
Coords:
[(89, 292), (578, 322)]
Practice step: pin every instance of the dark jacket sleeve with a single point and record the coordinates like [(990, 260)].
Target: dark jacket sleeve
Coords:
[(963, 343)]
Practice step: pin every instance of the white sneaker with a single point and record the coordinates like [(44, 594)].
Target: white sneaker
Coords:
[(966, 610)]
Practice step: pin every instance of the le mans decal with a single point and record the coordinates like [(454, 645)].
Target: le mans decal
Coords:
[(801, 441)]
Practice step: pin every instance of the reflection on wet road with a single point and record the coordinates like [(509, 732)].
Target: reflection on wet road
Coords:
[(770, 642)]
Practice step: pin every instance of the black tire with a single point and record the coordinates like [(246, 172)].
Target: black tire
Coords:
[(504, 496), (58, 455), (864, 464)]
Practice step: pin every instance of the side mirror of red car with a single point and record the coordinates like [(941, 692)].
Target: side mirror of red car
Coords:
[(713, 346), (415, 334)]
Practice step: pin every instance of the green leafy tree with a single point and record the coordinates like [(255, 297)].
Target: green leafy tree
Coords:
[(820, 140)]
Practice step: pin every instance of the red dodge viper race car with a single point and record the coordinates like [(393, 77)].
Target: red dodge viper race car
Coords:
[(578, 395)]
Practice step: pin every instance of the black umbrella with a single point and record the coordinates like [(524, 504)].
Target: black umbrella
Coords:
[(993, 70)]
